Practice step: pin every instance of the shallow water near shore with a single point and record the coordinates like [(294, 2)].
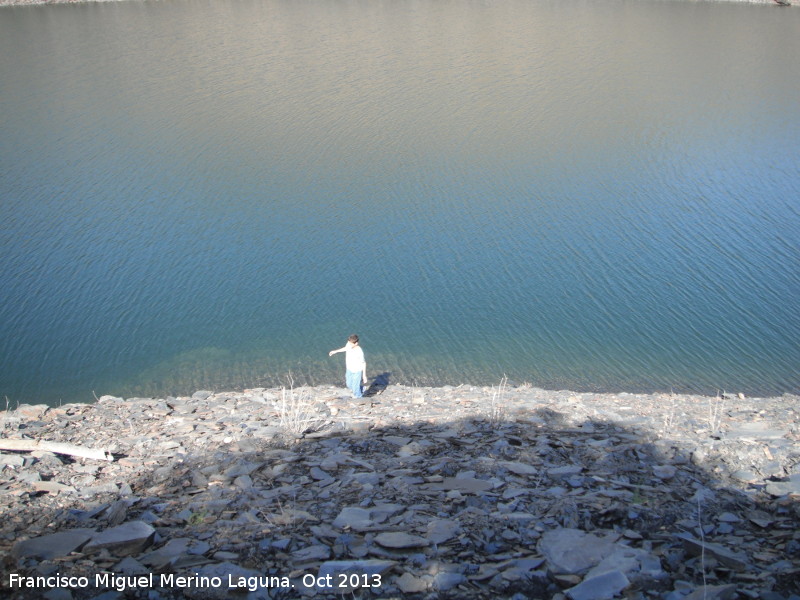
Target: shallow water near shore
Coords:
[(212, 195)]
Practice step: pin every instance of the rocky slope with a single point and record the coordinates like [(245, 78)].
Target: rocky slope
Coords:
[(456, 492)]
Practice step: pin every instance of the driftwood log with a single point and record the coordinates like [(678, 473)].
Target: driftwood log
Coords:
[(55, 447)]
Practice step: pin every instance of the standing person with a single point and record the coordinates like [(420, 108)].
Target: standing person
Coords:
[(355, 364)]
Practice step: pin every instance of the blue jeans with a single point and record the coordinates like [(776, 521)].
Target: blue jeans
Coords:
[(353, 379)]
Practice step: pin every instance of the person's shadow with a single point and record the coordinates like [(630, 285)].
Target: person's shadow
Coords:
[(378, 385)]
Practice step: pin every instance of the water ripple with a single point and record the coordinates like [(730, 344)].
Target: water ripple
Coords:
[(549, 191)]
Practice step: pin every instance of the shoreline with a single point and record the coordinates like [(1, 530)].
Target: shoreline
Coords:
[(382, 378), (462, 492), (381, 382), (385, 379)]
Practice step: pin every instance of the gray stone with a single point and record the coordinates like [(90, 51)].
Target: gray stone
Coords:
[(242, 468), (409, 584), (366, 478), (724, 529), (466, 485), (745, 475), (634, 563), (445, 581), (442, 530), (116, 513), (572, 551), (234, 581), (202, 395), (198, 547), (55, 545), (31, 411), (665, 472), (131, 566), (728, 517), (53, 487), (519, 468), (784, 488), (734, 560), (713, 592), (380, 512), (103, 488), (12, 460), (162, 474), (281, 544), (771, 596), (564, 472), (399, 539), (599, 587), (756, 430), (334, 568), (167, 554), (318, 474), (29, 476), (223, 556), (330, 463), (411, 449), (243, 482), (312, 553), (354, 518), (57, 594), (760, 518), (128, 538), (396, 440), (699, 457)]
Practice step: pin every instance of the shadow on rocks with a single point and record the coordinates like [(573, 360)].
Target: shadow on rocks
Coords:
[(198, 505)]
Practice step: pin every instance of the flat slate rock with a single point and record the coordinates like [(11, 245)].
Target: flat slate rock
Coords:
[(398, 539), (440, 531), (411, 584), (573, 551), (784, 488), (713, 592), (311, 553), (756, 430), (128, 538), (340, 571), (55, 545), (727, 557), (600, 587), (519, 468), (467, 485), (353, 517)]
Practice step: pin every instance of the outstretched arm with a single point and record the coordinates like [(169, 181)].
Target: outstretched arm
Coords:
[(332, 352)]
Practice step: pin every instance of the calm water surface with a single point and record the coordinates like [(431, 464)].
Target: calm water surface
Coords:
[(593, 195)]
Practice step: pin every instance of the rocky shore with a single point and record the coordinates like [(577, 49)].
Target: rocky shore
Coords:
[(454, 492)]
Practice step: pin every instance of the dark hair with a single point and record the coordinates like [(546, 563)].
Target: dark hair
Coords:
[(353, 338)]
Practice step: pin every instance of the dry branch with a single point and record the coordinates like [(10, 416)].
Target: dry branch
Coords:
[(56, 447)]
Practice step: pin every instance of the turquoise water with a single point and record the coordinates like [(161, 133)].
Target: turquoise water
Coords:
[(591, 195)]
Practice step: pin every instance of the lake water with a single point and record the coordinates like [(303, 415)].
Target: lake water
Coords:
[(591, 195)]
